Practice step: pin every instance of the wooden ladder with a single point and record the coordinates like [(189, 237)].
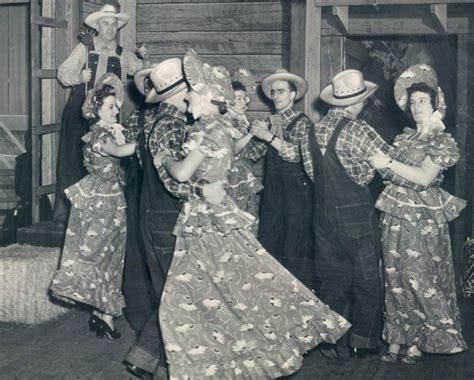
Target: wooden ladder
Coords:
[(63, 16)]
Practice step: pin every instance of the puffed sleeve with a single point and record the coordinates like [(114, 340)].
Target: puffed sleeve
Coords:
[(443, 150), (205, 136), (70, 69), (98, 140), (130, 62)]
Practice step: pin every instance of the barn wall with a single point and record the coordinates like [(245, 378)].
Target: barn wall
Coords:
[(251, 34)]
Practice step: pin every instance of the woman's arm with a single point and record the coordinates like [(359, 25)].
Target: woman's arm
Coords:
[(118, 150), (421, 175), (183, 170), (242, 143)]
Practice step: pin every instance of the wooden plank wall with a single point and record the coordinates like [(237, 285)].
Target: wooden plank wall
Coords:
[(251, 34)]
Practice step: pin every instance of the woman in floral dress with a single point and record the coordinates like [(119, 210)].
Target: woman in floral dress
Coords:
[(420, 297), (229, 310), (94, 247), (243, 185)]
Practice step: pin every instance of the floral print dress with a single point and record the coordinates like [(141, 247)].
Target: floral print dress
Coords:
[(420, 293), (229, 310), (93, 254), (243, 184)]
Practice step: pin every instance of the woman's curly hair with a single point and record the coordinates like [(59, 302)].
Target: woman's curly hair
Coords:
[(421, 87), (95, 100)]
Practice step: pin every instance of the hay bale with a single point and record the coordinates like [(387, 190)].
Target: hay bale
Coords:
[(25, 275)]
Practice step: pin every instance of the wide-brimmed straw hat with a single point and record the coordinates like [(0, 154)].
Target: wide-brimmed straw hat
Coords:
[(167, 78), (215, 79), (88, 108), (347, 88), (419, 73), (282, 74), (107, 10)]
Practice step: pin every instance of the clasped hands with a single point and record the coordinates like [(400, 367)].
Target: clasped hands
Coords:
[(259, 129)]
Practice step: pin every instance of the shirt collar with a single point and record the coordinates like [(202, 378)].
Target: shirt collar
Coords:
[(171, 110), (288, 114), (339, 112), (99, 45)]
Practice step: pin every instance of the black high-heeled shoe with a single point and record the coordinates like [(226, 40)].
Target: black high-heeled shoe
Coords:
[(103, 329), (93, 322)]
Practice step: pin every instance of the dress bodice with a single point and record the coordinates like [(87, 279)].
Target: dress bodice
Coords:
[(431, 203), (96, 161)]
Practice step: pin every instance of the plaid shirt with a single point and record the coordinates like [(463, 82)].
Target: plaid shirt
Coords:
[(169, 134), (290, 140), (357, 142)]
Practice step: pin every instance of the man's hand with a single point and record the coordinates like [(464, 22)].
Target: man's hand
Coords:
[(86, 75), (379, 160), (259, 129), (215, 192), (159, 158)]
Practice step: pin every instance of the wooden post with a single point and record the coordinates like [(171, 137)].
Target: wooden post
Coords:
[(128, 40), (341, 13), (439, 12), (464, 117), (305, 50)]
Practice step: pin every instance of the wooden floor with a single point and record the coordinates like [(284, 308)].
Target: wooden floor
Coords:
[(65, 349)]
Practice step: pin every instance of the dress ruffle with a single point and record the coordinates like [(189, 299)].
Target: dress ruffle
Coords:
[(199, 217), (95, 193), (281, 358), (433, 203)]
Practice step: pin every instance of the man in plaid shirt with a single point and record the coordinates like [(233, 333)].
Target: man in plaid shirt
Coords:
[(164, 129), (285, 218), (335, 155)]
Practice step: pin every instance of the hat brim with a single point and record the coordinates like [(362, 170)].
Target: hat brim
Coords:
[(328, 96), (93, 18), (140, 76), (154, 97), (300, 83)]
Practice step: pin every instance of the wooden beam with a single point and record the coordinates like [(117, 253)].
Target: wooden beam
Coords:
[(305, 50), (341, 13), (324, 3), (439, 12), (45, 129), (15, 122), (49, 22), (12, 2), (48, 189), (45, 73)]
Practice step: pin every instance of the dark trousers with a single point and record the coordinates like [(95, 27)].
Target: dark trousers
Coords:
[(348, 268), (148, 352), (285, 228), (137, 289)]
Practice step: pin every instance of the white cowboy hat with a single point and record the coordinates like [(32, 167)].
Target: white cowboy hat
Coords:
[(282, 74), (106, 11), (167, 78), (347, 88)]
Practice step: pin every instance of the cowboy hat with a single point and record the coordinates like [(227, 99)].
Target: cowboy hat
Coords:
[(282, 74), (106, 11), (347, 88), (216, 79), (419, 73), (167, 78)]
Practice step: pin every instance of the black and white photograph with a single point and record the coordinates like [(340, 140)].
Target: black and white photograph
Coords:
[(236, 189)]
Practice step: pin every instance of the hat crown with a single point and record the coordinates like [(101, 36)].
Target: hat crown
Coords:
[(347, 83), (167, 73), (108, 8)]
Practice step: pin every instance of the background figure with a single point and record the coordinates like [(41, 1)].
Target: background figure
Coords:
[(285, 218), (81, 70), (243, 185), (420, 292), (92, 258)]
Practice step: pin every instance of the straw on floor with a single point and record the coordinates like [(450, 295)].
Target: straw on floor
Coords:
[(25, 275)]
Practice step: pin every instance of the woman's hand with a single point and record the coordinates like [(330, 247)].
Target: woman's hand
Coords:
[(158, 160), (143, 53), (86, 75), (259, 129), (379, 160)]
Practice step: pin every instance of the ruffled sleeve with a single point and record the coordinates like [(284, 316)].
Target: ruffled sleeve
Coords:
[(205, 136), (99, 138), (443, 150)]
